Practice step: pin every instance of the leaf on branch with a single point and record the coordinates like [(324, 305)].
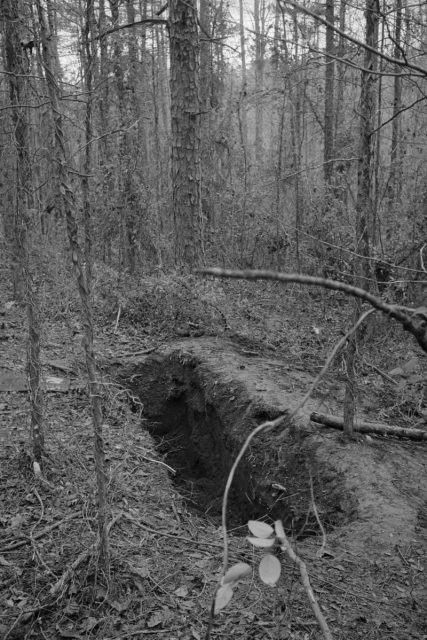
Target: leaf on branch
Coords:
[(223, 597), (237, 572), (270, 569), (260, 529)]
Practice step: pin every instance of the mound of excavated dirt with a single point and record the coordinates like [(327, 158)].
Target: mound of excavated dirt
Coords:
[(202, 397)]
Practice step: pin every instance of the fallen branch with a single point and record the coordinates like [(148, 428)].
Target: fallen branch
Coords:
[(370, 427), (382, 373), (66, 576)]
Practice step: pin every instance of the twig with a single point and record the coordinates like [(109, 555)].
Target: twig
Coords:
[(33, 542), (40, 534), (169, 535), (320, 551), (286, 548), (9, 631), (330, 358), (59, 585), (382, 373), (118, 318), (36, 493), (173, 471), (40, 559)]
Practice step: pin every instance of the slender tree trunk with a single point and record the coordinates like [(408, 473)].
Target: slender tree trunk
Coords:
[(395, 179), (259, 19), (206, 96), (67, 203), (339, 103), (104, 150), (17, 64), (185, 117), (328, 148), (375, 231), (242, 106), (88, 59), (364, 198), (243, 131), (296, 144)]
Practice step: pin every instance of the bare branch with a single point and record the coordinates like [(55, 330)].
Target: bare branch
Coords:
[(359, 43), (286, 548), (395, 115), (129, 26), (413, 320)]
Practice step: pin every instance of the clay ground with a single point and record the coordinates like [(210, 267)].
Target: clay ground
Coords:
[(193, 383)]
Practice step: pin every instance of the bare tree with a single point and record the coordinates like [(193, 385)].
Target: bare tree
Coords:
[(364, 195), (328, 148), (395, 180), (66, 202), (185, 117), (17, 62)]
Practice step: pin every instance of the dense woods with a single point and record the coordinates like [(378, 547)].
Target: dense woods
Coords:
[(147, 145), (253, 136)]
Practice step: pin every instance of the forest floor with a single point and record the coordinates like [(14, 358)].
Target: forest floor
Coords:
[(166, 546)]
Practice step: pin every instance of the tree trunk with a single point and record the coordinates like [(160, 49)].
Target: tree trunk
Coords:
[(185, 118), (328, 148), (67, 203), (259, 20), (242, 105), (88, 59), (363, 201), (395, 179), (17, 65), (295, 95)]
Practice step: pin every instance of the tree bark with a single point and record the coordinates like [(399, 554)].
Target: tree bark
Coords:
[(361, 263), (259, 20), (88, 60), (185, 118), (67, 203), (395, 179), (328, 148), (17, 64)]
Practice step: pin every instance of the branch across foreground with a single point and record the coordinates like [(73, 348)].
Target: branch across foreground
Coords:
[(413, 320)]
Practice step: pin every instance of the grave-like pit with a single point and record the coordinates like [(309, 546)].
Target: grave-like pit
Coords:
[(200, 419), (189, 434)]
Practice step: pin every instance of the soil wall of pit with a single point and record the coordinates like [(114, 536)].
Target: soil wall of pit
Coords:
[(210, 394), (194, 400)]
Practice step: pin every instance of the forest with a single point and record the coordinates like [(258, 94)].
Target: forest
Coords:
[(213, 319)]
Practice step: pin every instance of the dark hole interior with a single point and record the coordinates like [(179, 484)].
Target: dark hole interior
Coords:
[(189, 434)]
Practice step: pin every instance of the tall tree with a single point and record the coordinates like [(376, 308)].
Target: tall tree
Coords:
[(364, 194), (67, 205), (242, 106), (259, 21), (395, 179), (17, 61), (88, 63), (328, 148), (185, 119)]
